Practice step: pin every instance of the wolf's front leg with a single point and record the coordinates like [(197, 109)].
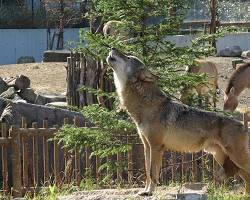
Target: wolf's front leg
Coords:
[(155, 167), (147, 163)]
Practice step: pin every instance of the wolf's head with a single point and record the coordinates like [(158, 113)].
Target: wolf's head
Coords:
[(128, 68)]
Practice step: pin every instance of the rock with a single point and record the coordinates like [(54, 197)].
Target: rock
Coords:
[(58, 105), (246, 54), (29, 95), (3, 86), (237, 61), (20, 82), (193, 191), (44, 99), (16, 98), (233, 51), (56, 55), (8, 94), (25, 59)]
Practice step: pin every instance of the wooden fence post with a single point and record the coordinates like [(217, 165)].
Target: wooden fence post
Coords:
[(16, 162), (82, 94), (4, 160), (56, 162), (35, 155), (25, 147), (45, 155), (77, 157)]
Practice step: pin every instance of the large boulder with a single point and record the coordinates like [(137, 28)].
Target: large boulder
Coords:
[(245, 54), (233, 51), (16, 98), (3, 86), (56, 104), (8, 94), (56, 55), (29, 95), (43, 99), (20, 82), (25, 59)]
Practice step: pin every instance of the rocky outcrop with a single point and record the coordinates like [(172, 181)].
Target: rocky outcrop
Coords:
[(18, 100), (56, 55), (233, 51), (20, 82), (246, 54), (25, 59)]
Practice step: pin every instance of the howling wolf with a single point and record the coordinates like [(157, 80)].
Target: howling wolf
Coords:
[(164, 124)]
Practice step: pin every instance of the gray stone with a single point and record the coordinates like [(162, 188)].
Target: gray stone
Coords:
[(246, 54), (25, 59), (56, 55), (43, 99), (8, 94), (16, 98), (3, 86), (193, 191), (233, 51), (58, 104), (190, 196), (235, 62), (20, 82), (29, 95)]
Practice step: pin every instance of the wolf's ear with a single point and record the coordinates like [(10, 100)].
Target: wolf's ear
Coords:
[(147, 76)]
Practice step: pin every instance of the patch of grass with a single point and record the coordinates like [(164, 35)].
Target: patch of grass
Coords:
[(226, 193)]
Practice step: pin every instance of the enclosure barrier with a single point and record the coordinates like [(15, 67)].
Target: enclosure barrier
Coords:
[(84, 71), (29, 161), (33, 161)]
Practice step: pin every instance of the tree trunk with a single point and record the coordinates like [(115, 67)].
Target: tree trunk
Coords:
[(213, 23)]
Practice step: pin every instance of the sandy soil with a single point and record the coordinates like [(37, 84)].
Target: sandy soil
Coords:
[(48, 78), (162, 192)]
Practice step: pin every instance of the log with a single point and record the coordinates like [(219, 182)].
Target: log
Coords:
[(14, 112)]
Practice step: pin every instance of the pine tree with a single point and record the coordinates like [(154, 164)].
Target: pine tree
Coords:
[(149, 23)]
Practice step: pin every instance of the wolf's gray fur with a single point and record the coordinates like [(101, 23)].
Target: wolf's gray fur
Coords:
[(165, 124)]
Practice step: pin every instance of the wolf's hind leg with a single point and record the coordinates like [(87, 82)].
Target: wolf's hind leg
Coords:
[(228, 168), (239, 153), (220, 157), (246, 177)]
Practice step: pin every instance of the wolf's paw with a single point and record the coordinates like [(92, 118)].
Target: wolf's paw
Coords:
[(145, 193)]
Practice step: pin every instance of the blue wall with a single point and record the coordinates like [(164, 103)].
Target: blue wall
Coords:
[(15, 43)]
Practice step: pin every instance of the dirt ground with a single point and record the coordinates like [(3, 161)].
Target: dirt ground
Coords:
[(48, 78), (225, 69), (162, 192), (51, 77)]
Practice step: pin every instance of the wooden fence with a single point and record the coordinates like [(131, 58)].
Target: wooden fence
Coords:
[(29, 160), (83, 71)]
